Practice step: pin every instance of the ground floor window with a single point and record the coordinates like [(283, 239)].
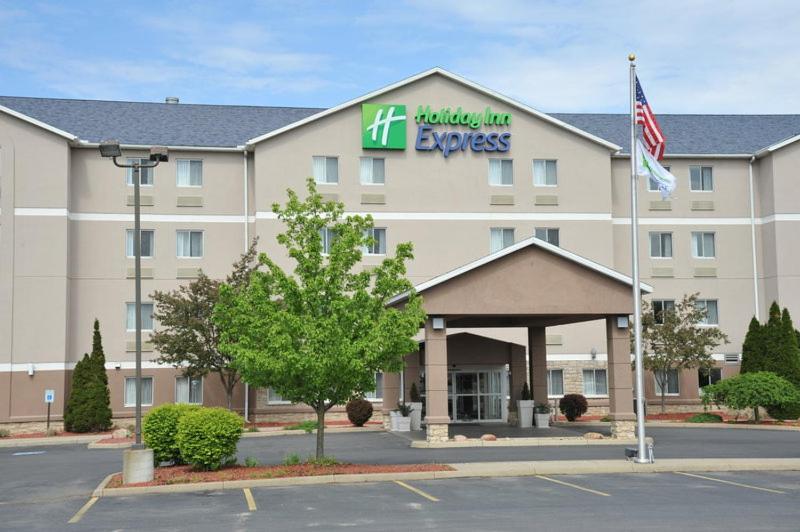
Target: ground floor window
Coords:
[(130, 391), (706, 376), (378, 393), (555, 382), (274, 398), (189, 390), (671, 381), (595, 382)]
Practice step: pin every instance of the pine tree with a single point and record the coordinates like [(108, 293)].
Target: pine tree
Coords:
[(754, 348), (88, 408), (790, 349)]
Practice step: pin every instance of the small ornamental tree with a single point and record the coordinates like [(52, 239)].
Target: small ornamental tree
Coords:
[(762, 389), (88, 408), (187, 336), (673, 341), (319, 334)]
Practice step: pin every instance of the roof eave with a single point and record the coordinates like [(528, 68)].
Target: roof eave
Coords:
[(775, 147), (38, 123)]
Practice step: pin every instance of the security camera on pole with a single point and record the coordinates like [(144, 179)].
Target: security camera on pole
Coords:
[(138, 460)]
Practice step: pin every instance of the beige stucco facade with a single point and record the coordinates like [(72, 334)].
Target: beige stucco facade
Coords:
[(64, 212)]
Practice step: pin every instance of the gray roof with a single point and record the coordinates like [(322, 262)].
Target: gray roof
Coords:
[(233, 125)]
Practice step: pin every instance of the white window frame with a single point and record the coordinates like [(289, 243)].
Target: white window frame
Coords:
[(547, 234), (502, 162), (660, 234), (702, 240), (376, 399), (503, 233), (594, 382), (133, 245), (705, 302), (202, 243), (701, 166), (365, 250), (271, 401), (129, 172), (550, 383), (125, 402), (189, 402), (190, 161), (677, 382), (327, 235), (651, 182), (325, 169), (361, 177), (546, 161), (133, 303)]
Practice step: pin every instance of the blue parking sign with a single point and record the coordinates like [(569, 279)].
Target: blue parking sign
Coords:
[(49, 396)]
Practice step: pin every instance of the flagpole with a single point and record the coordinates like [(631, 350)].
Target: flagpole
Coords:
[(642, 456)]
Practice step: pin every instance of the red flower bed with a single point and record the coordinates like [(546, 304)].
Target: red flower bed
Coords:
[(185, 475)]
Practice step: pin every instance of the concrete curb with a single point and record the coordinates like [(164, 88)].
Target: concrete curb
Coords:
[(565, 441), (98, 491), (481, 470), (118, 445), (684, 425), (51, 440)]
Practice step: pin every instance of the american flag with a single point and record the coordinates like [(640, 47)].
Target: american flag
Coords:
[(654, 139)]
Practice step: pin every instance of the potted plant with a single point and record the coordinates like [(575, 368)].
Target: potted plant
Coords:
[(416, 407), (403, 419), (542, 414), (525, 408)]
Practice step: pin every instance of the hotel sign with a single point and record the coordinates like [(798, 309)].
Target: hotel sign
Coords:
[(383, 126)]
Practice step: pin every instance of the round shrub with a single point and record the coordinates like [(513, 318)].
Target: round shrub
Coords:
[(573, 406), (704, 417), (207, 437), (159, 428), (359, 411), (789, 411)]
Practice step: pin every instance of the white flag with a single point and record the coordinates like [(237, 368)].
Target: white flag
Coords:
[(647, 166)]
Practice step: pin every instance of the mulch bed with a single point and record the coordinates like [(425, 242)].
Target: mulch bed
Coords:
[(333, 423), (185, 475), (58, 434)]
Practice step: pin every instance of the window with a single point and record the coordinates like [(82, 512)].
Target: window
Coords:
[(326, 170), (146, 242), (130, 391), (378, 247), (660, 245), (145, 174), (147, 316), (377, 395), (702, 179), (190, 244), (548, 234), (190, 173), (274, 398), (703, 245), (501, 172), (660, 306), (706, 376), (555, 382), (712, 312), (594, 382), (327, 235), (652, 184), (373, 171), (500, 237), (189, 390), (673, 387), (544, 173)]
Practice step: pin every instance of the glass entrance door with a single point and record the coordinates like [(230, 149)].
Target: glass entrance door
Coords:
[(475, 395)]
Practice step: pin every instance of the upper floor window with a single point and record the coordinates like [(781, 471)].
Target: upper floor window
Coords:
[(145, 174), (661, 245), (555, 382), (147, 316), (660, 306), (712, 311), (189, 244), (500, 237), (548, 234), (146, 241), (327, 235), (701, 178), (373, 171), (652, 184), (501, 172), (378, 246), (703, 245), (544, 173), (190, 173), (595, 382), (326, 169), (189, 390)]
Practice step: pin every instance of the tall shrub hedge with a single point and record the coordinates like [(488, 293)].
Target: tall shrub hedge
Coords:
[(160, 428), (207, 437)]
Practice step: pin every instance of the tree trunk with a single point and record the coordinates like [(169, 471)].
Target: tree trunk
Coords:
[(320, 431), (663, 401), (228, 383), (755, 414)]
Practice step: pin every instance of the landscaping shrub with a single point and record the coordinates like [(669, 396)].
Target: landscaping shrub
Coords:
[(789, 411), (5, 433), (359, 411), (88, 408), (705, 417), (251, 462), (526, 394), (573, 406), (752, 390), (309, 425), (207, 437), (159, 429), (292, 459)]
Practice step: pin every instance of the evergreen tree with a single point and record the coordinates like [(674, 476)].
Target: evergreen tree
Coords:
[(88, 408), (754, 348)]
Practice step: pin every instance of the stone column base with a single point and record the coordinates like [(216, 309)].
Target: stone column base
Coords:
[(623, 429), (437, 432)]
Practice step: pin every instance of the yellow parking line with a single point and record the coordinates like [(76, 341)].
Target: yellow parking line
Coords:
[(417, 491), (739, 484), (85, 508), (251, 502), (602, 494)]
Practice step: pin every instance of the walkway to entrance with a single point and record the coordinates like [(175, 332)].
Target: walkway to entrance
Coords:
[(532, 285)]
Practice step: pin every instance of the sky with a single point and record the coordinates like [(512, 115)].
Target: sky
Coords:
[(697, 56)]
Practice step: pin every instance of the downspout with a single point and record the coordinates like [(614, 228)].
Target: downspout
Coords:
[(246, 247), (753, 237)]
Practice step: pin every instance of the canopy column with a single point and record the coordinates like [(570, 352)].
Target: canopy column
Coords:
[(537, 349), (391, 396), (436, 396), (620, 381)]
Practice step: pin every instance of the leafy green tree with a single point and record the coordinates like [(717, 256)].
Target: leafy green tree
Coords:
[(187, 336), (318, 335), (673, 341), (761, 389), (773, 346), (88, 408)]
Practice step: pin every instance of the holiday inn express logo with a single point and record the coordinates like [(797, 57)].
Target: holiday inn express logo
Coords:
[(383, 126)]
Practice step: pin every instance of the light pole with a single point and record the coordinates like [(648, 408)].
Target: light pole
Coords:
[(111, 148)]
